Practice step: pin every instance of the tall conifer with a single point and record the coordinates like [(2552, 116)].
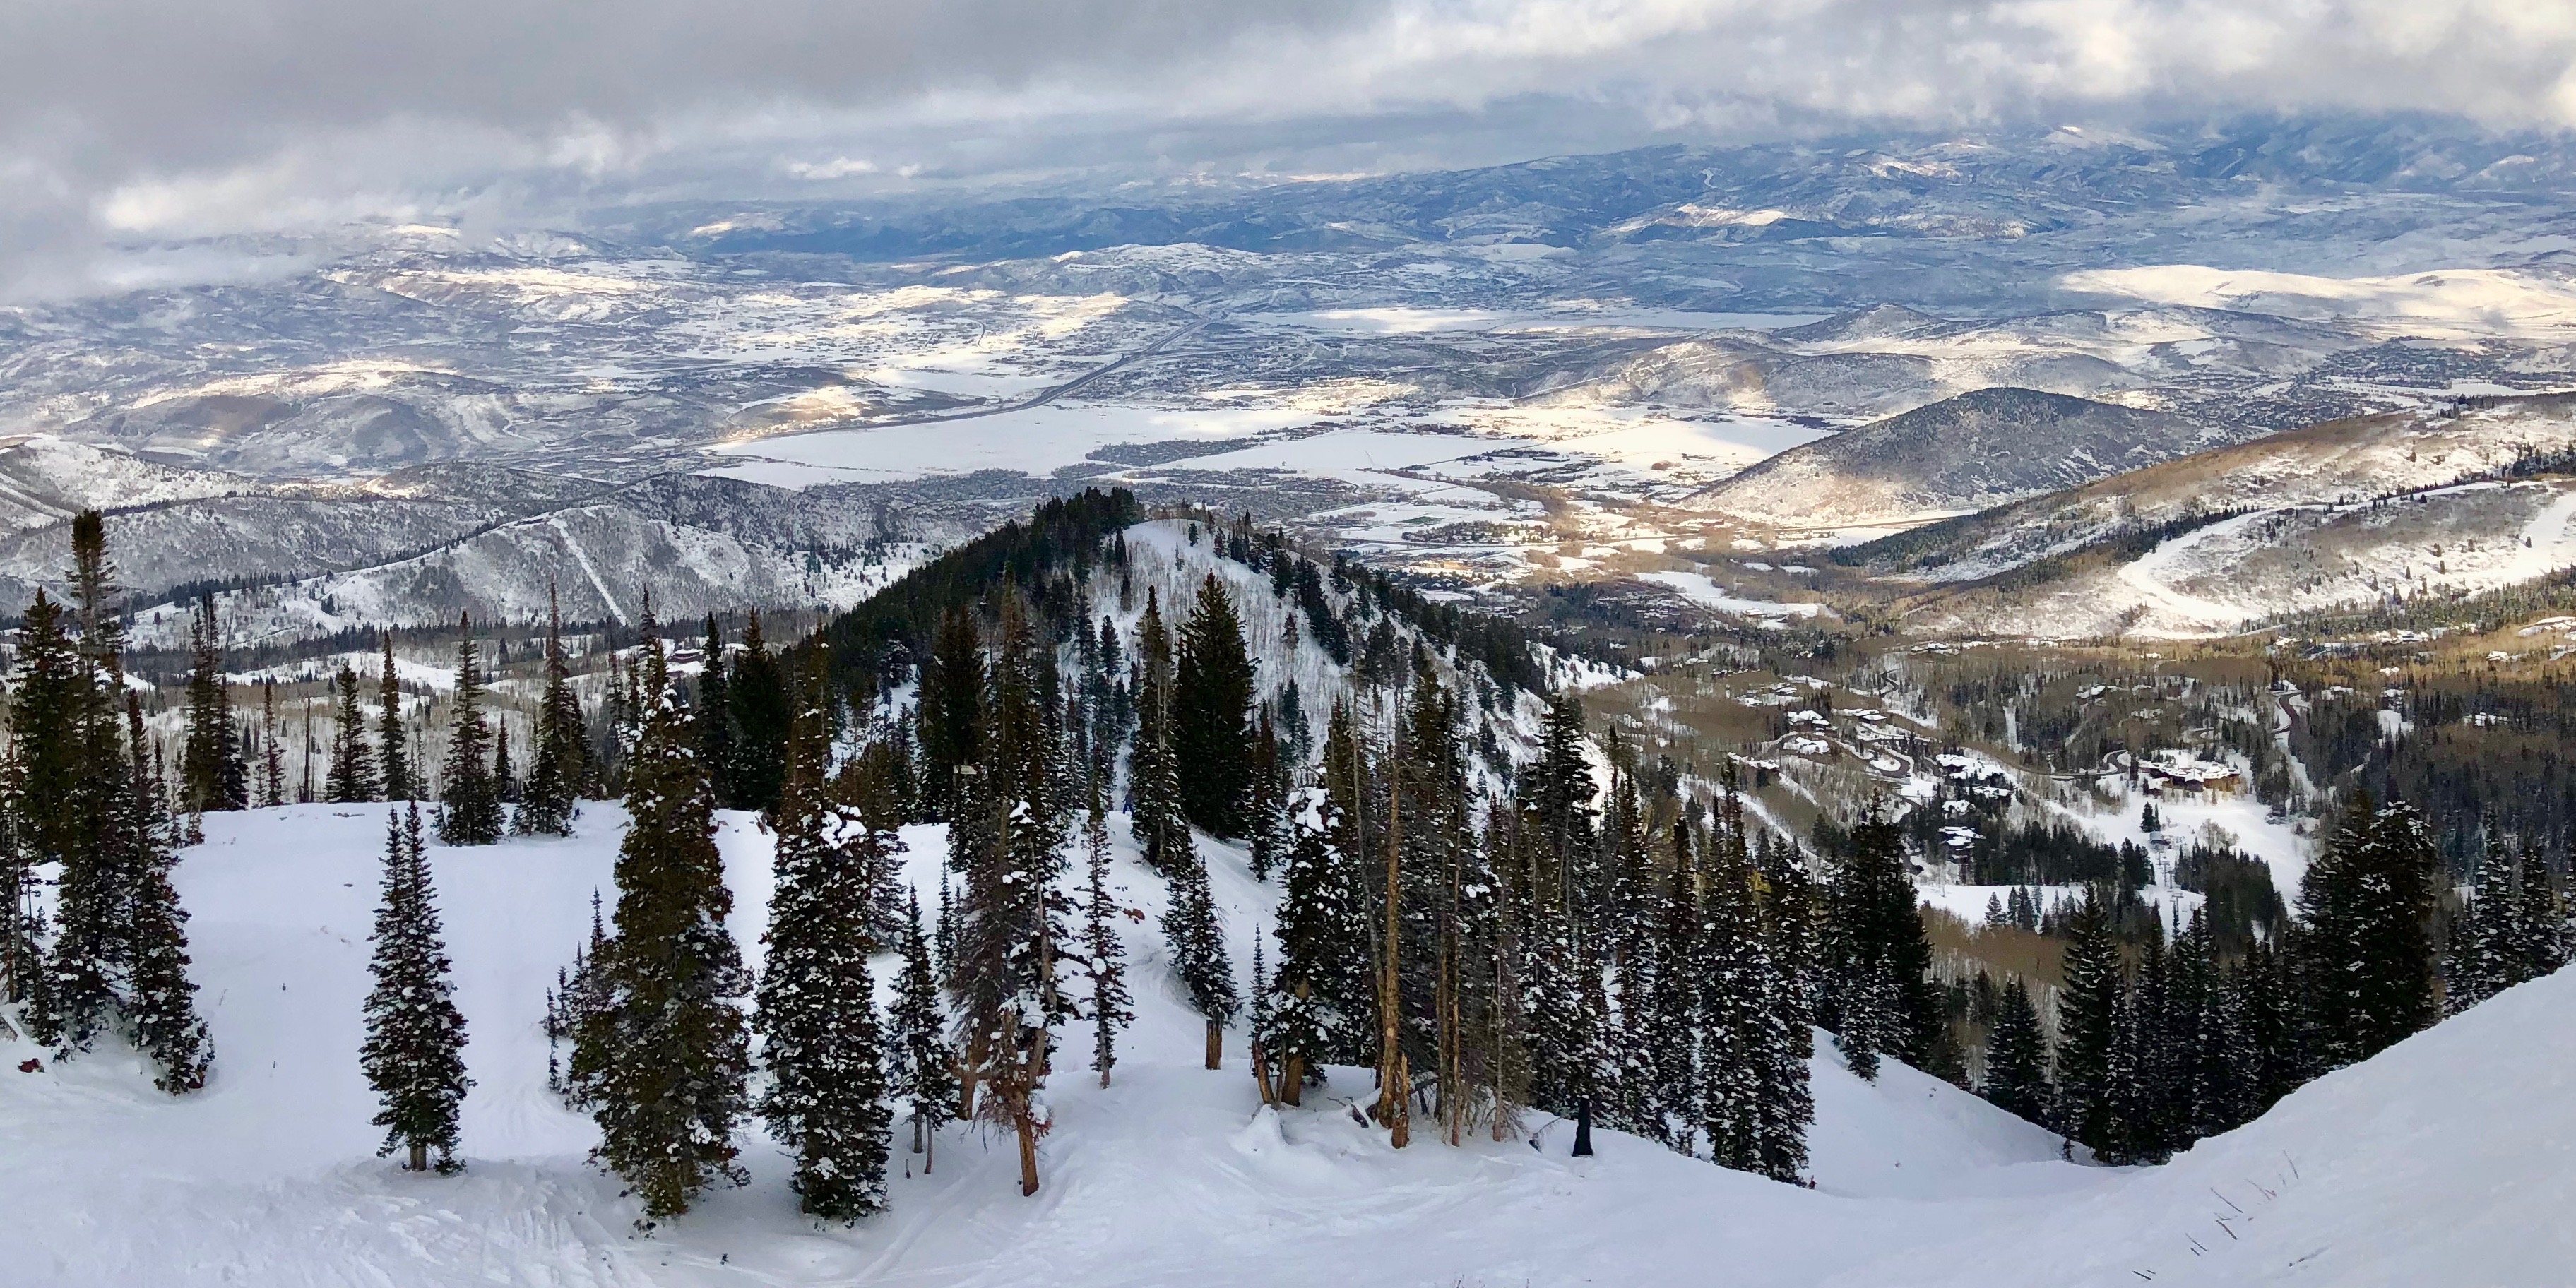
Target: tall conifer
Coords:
[(469, 799), (664, 1058), (414, 1052), (817, 1000)]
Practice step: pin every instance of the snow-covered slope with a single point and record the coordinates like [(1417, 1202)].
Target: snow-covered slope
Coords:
[(1169, 1176), (2450, 1158), (2443, 1161)]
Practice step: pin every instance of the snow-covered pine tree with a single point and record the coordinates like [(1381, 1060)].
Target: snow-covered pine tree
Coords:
[(924, 1066), (272, 750), (663, 1059), (393, 733), (2487, 950), (46, 785), (414, 1052), (1672, 1006), (817, 1009), (2367, 903), (1155, 815), (1879, 956), (2087, 1025), (2017, 1056), (1195, 938), (351, 776), (211, 773), (1266, 832), (160, 1001), (1105, 955), (1733, 972), (469, 800), (1211, 706), (1005, 836), (561, 767)]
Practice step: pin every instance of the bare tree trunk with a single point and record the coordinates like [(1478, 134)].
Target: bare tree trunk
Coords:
[(420, 1156), (1028, 1130), (1292, 1079), (916, 1131), (1261, 1075), (930, 1157), (1216, 1045)]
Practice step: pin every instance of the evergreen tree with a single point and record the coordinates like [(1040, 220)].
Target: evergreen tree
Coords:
[(1196, 940), (664, 1058), (1878, 982), (757, 702), (351, 776), (2368, 902), (714, 717), (413, 1055), (924, 1066), (1100, 943), (469, 799), (1735, 987), (1004, 837), (159, 1001), (951, 710), (272, 756), (1153, 764), (1266, 831), (1211, 707), (211, 771), (2087, 1024), (401, 782), (2017, 1056), (562, 765), (817, 1001)]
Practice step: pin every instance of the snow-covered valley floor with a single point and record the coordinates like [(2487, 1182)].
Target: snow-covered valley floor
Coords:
[(2451, 1159)]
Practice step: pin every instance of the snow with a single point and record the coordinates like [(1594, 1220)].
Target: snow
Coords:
[(1697, 588), (1173, 1175), (2449, 302), (1034, 440)]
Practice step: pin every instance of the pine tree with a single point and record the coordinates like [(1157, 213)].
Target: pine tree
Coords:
[(2367, 902), (664, 1058), (469, 800), (159, 1001), (210, 764), (1196, 940), (714, 717), (1735, 988), (951, 710), (1005, 838), (1211, 706), (817, 1001), (2017, 1056), (757, 703), (413, 1055), (1878, 982), (2087, 1024), (1266, 831), (924, 1070), (1153, 764), (351, 777), (272, 756), (562, 766), (401, 783), (1100, 944)]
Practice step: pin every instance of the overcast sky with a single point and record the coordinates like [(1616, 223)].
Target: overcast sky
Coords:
[(134, 121)]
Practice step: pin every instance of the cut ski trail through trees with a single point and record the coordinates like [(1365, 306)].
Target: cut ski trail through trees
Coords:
[(2405, 1172)]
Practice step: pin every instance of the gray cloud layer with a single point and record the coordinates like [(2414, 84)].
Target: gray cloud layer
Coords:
[(143, 120)]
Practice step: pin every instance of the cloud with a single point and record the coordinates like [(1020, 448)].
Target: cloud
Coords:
[(125, 120)]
